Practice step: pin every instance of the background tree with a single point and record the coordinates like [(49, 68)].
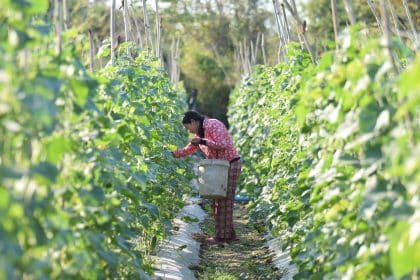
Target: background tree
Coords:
[(211, 32)]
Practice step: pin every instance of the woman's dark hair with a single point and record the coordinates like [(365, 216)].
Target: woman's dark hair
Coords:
[(192, 115)]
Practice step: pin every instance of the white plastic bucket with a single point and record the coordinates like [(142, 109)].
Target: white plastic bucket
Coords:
[(213, 178)]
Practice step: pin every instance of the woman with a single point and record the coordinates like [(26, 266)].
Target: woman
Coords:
[(213, 139)]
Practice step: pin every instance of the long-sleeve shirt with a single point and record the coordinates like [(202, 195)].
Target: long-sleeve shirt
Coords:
[(219, 144)]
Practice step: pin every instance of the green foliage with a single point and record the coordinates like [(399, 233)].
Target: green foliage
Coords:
[(87, 186), (333, 153)]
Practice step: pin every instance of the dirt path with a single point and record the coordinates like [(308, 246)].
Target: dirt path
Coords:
[(248, 258)]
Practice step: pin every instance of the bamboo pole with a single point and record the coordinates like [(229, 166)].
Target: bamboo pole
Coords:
[(283, 28), (139, 35), (248, 56), (171, 60), (350, 12), (126, 20), (410, 20), (177, 55), (112, 27), (174, 61), (300, 28), (277, 15), (375, 13), (66, 15), (147, 30), (158, 30), (252, 52), (394, 19), (242, 57), (59, 24), (91, 51), (387, 34), (282, 40), (126, 24), (335, 21), (286, 22), (257, 43)]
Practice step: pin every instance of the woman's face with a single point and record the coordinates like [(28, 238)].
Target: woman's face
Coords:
[(192, 127)]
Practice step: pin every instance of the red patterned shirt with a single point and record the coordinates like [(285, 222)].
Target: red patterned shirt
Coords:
[(219, 144)]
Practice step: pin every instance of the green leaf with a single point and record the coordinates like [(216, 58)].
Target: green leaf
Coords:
[(404, 253), (152, 209), (81, 92), (46, 169), (36, 6), (4, 197), (56, 147)]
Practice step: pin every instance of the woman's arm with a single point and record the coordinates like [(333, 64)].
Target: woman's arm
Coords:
[(186, 151)]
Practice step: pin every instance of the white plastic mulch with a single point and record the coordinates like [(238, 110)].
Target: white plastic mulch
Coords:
[(282, 259), (180, 250)]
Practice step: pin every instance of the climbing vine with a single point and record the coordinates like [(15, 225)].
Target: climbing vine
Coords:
[(331, 156), (87, 188)]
